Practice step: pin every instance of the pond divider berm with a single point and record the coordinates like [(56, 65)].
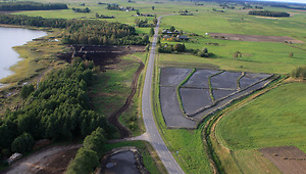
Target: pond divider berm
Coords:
[(187, 96)]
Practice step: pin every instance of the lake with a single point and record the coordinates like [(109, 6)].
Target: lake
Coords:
[(9, 38)]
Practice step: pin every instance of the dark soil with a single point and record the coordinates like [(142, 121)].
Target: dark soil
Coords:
[(200, 79), (287, 159), (172, 114), (194, 99)]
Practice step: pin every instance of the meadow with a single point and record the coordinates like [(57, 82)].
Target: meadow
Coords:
[(112, 87), (274, 119)]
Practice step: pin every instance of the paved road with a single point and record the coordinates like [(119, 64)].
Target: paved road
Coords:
[(152, 131)]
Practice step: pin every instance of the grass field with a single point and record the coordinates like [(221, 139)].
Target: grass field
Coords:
[(112, 87), (274, 119), (271, 120)]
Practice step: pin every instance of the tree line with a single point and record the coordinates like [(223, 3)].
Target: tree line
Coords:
[(81, 10), (92, 32), (29, 5), (269, 13), (58, 109)]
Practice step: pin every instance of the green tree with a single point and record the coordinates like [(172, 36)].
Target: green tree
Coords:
[(23, 143), (85, 161), (95, 141), (26, 90), (172, 28), (151, 32), (179, 47)]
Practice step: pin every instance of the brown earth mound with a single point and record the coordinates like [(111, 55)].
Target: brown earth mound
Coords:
[(254, 38), (287, 159)]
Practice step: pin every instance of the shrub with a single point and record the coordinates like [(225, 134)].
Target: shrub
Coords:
[(85, 161), (299, 72), (179, 47), (95, 141), (87, 157), (26, 90), (23, 143)]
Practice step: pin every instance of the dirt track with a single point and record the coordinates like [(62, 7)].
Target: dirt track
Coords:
[(254, 38), (46, 161), (288, 159), (113, 119)]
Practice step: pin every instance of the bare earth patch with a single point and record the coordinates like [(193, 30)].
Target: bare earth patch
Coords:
[(288, 159), (45, 161), (254, 38)]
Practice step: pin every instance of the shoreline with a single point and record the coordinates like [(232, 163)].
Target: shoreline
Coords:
[(13, 68)]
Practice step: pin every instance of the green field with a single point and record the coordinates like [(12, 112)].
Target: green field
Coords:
[(274, 119), (112, 87)]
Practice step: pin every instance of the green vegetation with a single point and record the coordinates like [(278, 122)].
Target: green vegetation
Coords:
[(111, 89), (58, 109), (81, 10), (274, 119), (87, 157), (83, 32), (23, 143), (29, 5), (26, 90), (269, 13), (299, 72)]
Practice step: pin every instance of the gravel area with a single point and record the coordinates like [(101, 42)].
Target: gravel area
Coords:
[(194, 99), (173, 76), (173, 116), (200, 79)]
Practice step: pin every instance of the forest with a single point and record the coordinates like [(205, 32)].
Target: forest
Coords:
[(58, 109), (269, 13), (91, 32), (29, 5)]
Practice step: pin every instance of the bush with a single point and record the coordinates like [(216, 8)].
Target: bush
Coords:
[(26, 90), (87, 157), (179, 47), (23, 143), (95, 141), (85, 161), (299, 72)]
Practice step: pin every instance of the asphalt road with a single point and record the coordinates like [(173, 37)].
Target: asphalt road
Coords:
[(152, 131)]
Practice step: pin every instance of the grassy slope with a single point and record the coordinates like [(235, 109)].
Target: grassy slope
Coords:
[(274, 119)]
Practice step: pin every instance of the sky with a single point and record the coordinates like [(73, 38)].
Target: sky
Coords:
[(299, 1)]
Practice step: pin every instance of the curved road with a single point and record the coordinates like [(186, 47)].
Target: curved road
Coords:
[(152, 132)]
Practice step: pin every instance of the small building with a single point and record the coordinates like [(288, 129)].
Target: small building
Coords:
[(182, 37)]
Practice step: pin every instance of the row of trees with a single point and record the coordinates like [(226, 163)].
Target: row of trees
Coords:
[(104, 16), (58, 109), (179, 48), (92, 32), (29, 5), (87, 157), (81, 10), (144, 23), (269, 13)]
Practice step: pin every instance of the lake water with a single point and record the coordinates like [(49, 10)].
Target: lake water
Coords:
[(10, 37)]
